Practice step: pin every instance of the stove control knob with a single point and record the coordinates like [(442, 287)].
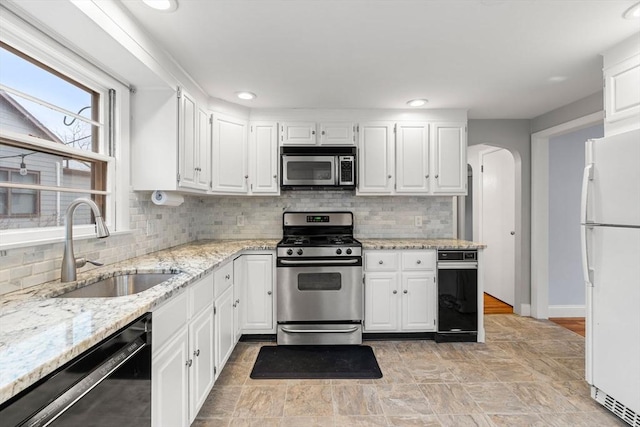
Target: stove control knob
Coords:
[(299, 251), (349, 251), (289, 251), (338, 251)]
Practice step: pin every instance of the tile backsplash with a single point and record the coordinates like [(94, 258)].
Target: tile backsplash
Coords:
[(155, 227)]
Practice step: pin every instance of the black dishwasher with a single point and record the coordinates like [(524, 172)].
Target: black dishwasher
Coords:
[(108, 385), (457, 296)]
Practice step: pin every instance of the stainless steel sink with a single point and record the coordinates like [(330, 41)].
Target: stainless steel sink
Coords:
[(118, 286)]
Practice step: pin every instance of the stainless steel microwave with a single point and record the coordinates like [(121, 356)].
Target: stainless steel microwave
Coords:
[(304, 168)]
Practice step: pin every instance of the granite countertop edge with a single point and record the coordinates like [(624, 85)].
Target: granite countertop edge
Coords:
[(39, 333)]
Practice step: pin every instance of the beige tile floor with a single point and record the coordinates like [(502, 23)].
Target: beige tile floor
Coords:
[(528, 373)]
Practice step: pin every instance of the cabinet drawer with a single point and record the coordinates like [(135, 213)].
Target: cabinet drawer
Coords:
[(222, 278), (201, 294), (169, 319), (381, 261), (419, 260)]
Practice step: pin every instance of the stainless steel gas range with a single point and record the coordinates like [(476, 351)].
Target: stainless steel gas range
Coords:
[(319, 280)]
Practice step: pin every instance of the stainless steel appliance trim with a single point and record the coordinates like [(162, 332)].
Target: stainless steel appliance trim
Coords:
[(65, 401), (300, 219), (319, 331), (350, 160), (457, 265), (320, 262)]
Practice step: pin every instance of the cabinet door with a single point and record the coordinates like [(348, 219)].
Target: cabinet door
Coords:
[(412, 158), (337, 133), (298, 133), (169, 385), (622, 91), (264, 157), (225, 334), (449, 142), (375, 158), (418, 301), (381, 293), (203, 154), (256, 278), (201, 374), (187, 141), (229, 158)]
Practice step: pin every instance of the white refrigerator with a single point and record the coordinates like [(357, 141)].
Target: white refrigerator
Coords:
[(610, 217)]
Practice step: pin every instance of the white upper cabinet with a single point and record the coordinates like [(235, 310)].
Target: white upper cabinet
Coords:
[(412, 157), (312, 133), (229, 155), (298, 133), (337, 133), (622, 95), (170, 136), (263, 158), (188, 149), (449, 154), (376, 158)]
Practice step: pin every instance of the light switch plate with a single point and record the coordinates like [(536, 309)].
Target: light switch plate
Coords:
[(417, 221)]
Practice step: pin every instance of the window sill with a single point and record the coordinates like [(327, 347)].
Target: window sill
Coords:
[(34, 237)]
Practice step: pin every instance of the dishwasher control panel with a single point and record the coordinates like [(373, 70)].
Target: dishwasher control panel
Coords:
[(462, 255)]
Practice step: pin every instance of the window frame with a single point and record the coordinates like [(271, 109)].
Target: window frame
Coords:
[(8, 215), (57, 56)]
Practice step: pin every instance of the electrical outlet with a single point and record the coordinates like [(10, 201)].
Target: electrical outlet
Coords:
[(417, 221), (240, 220)]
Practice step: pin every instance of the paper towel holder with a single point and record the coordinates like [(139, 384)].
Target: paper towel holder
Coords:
[(163, 198)]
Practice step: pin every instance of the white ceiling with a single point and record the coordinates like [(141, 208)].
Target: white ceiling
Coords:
[(492, 57)]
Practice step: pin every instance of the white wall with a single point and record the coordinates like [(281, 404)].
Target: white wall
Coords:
[(515, 136), (566, 163)]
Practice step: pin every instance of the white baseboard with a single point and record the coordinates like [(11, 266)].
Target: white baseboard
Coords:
[(567, 311), (525, 310)]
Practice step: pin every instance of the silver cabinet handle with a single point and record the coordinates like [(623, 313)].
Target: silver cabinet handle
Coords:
[(319, 331), (395, 292), (313, 132), (196, 353), (380, 262), (419, 262), (437, 176), (513, 233), (246, 177), (405, 291), (426, 176), (275, 176), (269, 292), (322, 132), (389, 176), (228, 276), (189, 363), (237, 301)]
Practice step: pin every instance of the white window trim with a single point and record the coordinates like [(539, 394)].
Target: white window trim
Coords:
[(45, 49)]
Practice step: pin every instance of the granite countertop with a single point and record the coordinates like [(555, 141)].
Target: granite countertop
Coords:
[(39, 333)]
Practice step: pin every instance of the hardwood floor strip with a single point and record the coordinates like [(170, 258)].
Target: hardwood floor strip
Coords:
[(495, 306), (575, 324)]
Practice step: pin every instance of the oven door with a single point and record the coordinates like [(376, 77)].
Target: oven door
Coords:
[(308, 170), (319, 290)]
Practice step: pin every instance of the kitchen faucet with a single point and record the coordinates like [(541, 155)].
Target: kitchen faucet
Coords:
[(69, 262)]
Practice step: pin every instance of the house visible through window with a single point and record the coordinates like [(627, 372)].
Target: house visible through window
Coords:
[(53, 145)]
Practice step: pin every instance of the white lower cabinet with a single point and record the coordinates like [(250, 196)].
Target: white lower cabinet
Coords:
[(224, 328), (400, 291), (254, 276), (183, 356)]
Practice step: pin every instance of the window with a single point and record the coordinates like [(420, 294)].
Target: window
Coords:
[(17, 202), (52, 144)]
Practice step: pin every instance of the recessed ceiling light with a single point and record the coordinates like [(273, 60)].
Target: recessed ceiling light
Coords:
[(633, 12), (246, 95), (163, 5), (417, 102), (557, 79)]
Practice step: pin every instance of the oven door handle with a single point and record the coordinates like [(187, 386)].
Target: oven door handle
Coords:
[(66, 400), (457, 266), (319, 261), (316, 331)]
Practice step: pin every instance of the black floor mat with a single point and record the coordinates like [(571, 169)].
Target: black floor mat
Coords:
[(316, 362)]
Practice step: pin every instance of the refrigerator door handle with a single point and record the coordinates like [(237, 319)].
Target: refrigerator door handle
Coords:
[(587, 177), (586, 270)]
